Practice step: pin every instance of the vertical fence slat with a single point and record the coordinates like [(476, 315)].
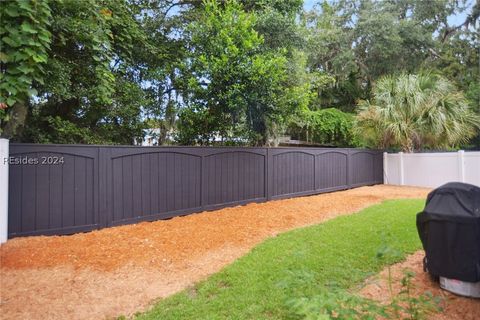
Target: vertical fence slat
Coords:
[(42, 197), (145, 184), (162, 182), (68, 192), (153, 175), (28, 198), (103, 196), (89, 193), (80, 192), (55, 197), (118, 189), (137, 186)]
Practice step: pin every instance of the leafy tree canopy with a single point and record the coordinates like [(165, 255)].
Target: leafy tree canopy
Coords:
[(327, 127), (215, 71), (235, 89)]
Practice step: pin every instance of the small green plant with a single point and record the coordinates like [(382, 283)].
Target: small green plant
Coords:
[(411, 306), (405, 305), (385, 254), (336, 303)]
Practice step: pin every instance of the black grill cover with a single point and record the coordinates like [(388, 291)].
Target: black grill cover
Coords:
[(449, 228)]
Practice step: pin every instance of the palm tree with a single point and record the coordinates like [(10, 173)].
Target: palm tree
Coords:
[(416, 111)]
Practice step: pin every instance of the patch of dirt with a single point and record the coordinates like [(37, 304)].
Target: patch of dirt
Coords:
[(121, 270), (453, 307)]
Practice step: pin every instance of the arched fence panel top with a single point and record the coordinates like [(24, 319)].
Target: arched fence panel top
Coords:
[(52, 190), (81, 187)]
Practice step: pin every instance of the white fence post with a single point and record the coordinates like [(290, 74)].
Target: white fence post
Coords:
[(3, 190), (402, 174), (461, 165)]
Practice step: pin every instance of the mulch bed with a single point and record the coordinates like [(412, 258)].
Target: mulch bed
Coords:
[(453, 307), (121, 270)]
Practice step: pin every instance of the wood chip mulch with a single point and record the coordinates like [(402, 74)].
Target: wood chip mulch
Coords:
[(121, 270), (453, 307)]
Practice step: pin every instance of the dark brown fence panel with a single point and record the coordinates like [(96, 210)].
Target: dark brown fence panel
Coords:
[(378, 168), (303, 171), (292, 172), (151, 183), (99, 186), (331, 170), (365, 167), (55, 193), (233, 176)]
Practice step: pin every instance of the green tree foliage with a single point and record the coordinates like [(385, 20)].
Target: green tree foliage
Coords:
[(276, 22), (413, 112), (239, 71), (288, 7), (92, 94), (234, 88), (329, 127), (458, 59), (24, 41), (357, 42), (108, 67), (331, 58)]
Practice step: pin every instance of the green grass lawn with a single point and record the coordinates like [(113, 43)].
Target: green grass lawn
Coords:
[(335, 255)]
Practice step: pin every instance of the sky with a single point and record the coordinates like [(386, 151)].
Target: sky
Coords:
[(453, 20)]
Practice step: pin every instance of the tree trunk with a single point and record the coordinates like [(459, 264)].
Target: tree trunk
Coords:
[(14, 126)]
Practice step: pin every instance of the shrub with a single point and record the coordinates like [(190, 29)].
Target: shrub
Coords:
[(326, 126)]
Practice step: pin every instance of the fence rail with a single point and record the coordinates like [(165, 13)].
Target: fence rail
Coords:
[(62, 189)]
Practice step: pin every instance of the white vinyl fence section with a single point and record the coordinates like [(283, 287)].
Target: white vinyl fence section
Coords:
[(3, 190), (431, 169)]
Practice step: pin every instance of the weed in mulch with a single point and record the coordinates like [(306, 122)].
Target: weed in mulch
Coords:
[(336, 303)]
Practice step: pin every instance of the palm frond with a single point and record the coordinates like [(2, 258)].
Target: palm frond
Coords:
[(416, 111)]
